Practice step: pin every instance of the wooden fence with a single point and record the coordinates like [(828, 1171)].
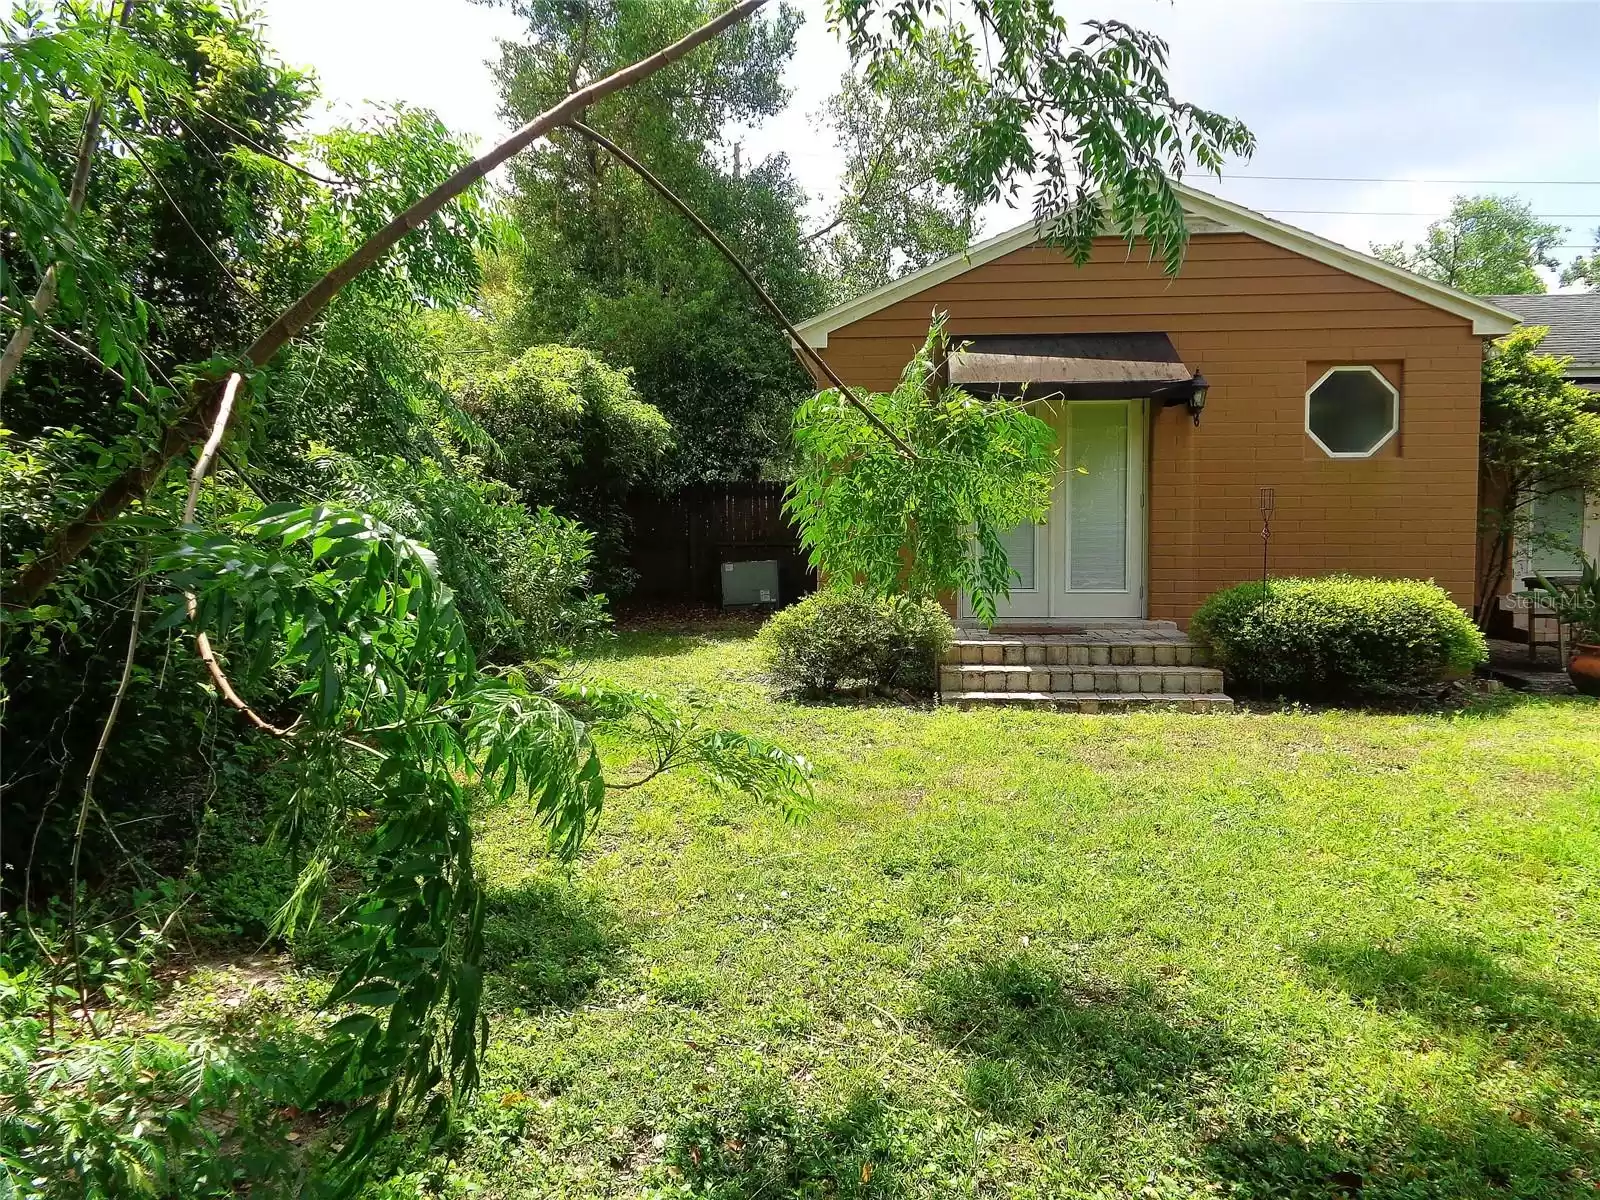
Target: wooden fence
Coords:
[(680, 541)]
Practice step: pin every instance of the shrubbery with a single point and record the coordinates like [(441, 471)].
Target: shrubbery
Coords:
[(846, 639), (1338, 636), (572, 435)]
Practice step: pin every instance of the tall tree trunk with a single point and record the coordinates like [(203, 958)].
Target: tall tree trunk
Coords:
[(191, 425), (45, 298)]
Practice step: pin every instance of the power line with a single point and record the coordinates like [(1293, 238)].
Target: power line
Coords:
[(1451, 182), (1363, 212)]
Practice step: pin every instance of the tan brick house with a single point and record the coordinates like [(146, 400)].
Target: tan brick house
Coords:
[(1274, 359)]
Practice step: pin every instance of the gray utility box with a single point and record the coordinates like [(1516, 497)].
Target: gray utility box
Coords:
[(749, 583)]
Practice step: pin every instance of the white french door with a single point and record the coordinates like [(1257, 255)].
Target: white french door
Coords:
[(1086, 561)]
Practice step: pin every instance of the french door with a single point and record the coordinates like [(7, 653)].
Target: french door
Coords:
[(1086, 560)]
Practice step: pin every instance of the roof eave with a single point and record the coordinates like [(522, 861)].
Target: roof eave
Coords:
[(1488, 320)]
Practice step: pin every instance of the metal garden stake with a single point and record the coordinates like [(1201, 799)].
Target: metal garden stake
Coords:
[(1269, 505)]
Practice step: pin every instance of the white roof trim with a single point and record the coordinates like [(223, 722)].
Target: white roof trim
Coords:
[(1207, 214)]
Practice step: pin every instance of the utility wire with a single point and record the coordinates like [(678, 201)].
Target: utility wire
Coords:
[(1394, 179), (1362, 212)]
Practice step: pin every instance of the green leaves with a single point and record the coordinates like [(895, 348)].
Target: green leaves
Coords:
[(1092, 120), (394, 710), (1488, 245), (931, 525)]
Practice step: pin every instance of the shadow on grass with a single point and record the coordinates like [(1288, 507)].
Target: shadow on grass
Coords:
[(1457, 702), (1461, 989), (1482, 1155), (1031, 1027), (644, 644), (1534, 1148), (545, 945), (861, 698), (1504, 704), (761, 1144)]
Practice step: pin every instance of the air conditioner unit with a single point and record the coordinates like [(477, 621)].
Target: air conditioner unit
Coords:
[(748, 584)]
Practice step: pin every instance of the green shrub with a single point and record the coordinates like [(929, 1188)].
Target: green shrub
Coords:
[(845, 639), (1338, 636)]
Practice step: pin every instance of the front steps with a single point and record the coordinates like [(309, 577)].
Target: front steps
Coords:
[(1106, 669)]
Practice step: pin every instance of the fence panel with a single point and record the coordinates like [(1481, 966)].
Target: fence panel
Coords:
[(680, 541)]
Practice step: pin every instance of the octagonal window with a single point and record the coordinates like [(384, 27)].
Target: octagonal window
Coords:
[(1352, 411)]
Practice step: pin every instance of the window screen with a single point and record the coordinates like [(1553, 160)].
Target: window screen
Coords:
[(1556, 543), (1352, 411), (1020, 544), (1098, 498)]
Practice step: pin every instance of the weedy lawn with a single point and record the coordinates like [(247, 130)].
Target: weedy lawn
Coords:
[(1030, 955)]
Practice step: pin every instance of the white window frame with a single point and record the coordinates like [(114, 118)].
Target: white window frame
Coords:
[(1394, 411)]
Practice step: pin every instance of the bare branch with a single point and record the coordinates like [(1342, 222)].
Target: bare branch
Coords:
[(803, 350), (191, 425), (265, 153), (45, 298), (80, 349), (202, 643), (87, 801)]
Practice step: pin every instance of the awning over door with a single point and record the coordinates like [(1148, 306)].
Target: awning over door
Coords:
[(1074, 366)]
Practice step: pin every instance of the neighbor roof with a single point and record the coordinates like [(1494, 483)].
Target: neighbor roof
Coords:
[(1206, 214), (1573, 318)]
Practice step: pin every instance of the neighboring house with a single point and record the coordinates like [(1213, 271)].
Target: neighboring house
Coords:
[(1566, 523), (1274, 359)]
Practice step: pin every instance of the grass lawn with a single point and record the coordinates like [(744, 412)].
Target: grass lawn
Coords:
[(1033, 955)]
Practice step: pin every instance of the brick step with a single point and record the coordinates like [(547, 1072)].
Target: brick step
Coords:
[(1106, 680), (1091, 702), (1073, 652)]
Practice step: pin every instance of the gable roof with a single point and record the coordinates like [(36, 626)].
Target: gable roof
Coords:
[(1206, 214), (1574, 321)]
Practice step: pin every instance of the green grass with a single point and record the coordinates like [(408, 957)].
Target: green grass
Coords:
[(1033, 955)]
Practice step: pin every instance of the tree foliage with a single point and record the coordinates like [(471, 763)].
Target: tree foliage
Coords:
[(1488, 245), (603, 264), (1541, 434), (1584, 269), (896, 134), (1090, 119), (570, 433), (216, 225), (340, 631), (927, 525)]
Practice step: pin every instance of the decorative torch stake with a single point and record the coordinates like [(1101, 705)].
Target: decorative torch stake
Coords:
[(1269, 505)]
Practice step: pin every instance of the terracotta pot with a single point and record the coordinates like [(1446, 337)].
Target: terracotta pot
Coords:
[(1584, 668)]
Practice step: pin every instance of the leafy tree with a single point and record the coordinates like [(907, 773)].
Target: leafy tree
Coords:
[(1541, 434), (899, 211), (1110, 127), (602, 264), (329, 634), (571, 434), (346, 626), (930, 524), (1584, 270), (1488, 245)]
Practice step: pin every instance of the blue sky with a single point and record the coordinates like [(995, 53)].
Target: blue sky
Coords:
[(1431, 90)]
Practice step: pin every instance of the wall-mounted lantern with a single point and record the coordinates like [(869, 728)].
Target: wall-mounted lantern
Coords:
[(1197, 397), (1191, 393)]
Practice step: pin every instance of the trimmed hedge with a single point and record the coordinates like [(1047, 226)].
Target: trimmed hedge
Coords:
[(1338, 636), (845, 639)]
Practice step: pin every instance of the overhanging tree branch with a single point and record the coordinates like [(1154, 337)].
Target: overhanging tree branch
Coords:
[(202, 643), (193, 423), (804, 351), (45, 298)]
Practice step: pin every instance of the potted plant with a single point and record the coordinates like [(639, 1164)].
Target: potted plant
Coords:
[(1577, 603)]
